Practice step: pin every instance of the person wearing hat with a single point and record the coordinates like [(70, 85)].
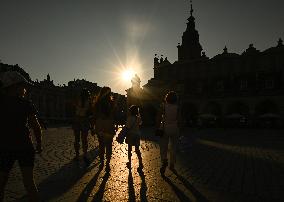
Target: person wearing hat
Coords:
[(17, 115), (82, 123)]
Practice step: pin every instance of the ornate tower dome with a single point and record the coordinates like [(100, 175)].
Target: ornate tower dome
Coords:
[(190, 47)]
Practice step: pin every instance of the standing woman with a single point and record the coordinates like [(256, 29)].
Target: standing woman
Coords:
[(18, 115), (169, 114), (105, 124), (133, 135), (81, 124)]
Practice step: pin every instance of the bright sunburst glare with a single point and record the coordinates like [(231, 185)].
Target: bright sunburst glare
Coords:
[(127, 75), (126, 62)]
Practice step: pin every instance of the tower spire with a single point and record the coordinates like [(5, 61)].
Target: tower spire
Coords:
[(191, 9), (191, 18), (190, 47)]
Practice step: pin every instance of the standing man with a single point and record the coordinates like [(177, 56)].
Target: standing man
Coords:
[(17, 116)]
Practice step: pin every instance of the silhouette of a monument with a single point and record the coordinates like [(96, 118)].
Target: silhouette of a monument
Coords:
[(135, 92)]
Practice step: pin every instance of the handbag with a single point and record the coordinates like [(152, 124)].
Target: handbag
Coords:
[(122, 135)]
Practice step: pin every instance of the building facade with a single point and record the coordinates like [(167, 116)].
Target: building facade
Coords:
[(55, 103), (245, 88)]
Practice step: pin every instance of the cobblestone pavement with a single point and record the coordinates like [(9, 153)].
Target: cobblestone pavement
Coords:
[(213, 165)]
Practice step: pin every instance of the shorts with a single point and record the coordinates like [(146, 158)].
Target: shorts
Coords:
[(82, 126), (133, 139), (25, 158), (105, 138)]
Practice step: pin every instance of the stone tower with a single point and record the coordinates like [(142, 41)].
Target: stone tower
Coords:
[(190, 47)]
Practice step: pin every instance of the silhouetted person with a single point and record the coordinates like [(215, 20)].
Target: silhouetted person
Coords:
[(17, 116), (133, 133), (169, 116), (105, 124), (81, 124)]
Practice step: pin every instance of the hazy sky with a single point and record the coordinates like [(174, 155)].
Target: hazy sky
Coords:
[(95, 39)]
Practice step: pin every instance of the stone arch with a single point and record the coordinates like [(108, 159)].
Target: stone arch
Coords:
[(266, 107), (267, 114), (237, 114), (212, 108), (238, 107)]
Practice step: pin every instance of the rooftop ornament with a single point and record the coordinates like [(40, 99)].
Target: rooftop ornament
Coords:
[(280, 42)]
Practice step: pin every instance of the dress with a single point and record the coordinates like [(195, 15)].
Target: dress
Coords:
[(133, 133), (105, 130), (171, 132)]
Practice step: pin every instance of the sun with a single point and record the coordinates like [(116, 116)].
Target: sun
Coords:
[(127, 75)]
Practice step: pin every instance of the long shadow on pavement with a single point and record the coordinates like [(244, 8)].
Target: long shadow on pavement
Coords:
[(131, 189), (100, 193), (88, 189), (60, 182), (143, 189)]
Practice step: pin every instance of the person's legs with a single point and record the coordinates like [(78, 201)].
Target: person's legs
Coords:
[(28, 179), (139, 155), (101, 147), (173, 136), (26, 160), (164, 151), (3, 181), (84, 138), (76, 142), (164, 141), (128, 164), (7, 160), (108, 147), (129, 152), (138, 152), (173, 150)]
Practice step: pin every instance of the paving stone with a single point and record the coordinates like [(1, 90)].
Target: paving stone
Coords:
[(212, 165)]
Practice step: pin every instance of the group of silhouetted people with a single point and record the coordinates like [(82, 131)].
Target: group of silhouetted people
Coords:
[(96, 114)]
